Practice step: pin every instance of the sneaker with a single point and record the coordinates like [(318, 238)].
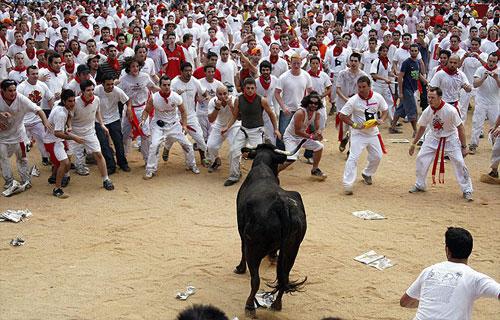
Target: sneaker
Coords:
[(230, 182), (394, 131), (415, 189), (348, 191), (468, 196), (399, 124), (51, 180), (7, 185), (82, 171), (26, 185), (420, 143), (194, 169), (59, 193), (472, 149), (215, 165), (148, 176), (309, 161), (165, 154), (65, 181), (318, 174), (491, 178), (367, 179), (108, 185), (343, 143), (127, 168), (45, 161)]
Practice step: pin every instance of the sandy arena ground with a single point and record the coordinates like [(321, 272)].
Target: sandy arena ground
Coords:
[(124, 254)]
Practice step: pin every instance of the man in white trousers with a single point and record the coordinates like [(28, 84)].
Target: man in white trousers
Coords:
[(380, 71), (446, 137), (165, 126), (492, 177), (220, 112), (487, 100), (248, 107), (360, 108), (266, 85)]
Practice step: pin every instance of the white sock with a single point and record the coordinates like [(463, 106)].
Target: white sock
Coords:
[(105, 178)]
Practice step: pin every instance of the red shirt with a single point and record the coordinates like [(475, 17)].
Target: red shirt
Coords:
[(174, 58), (199, 73)]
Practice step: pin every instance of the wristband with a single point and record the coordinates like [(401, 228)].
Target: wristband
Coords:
[(354, 125)]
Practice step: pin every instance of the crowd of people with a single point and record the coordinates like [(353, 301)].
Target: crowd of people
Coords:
[(84, 81)]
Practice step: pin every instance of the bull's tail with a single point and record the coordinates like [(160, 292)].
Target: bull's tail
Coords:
[(287, 253)]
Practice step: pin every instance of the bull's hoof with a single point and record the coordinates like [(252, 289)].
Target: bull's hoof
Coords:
[(276, 306), (240, 270), (250, 312)]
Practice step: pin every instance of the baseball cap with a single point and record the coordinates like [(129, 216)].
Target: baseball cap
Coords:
[(93, 56), (82, 68)]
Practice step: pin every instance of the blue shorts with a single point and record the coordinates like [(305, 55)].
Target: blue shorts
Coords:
[(407, 107)]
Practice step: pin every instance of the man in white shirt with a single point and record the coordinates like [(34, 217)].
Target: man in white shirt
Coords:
[(445, 137), (110, 97), (13, 108), (360, 112), (38, 93), (266, 85), (54, 77), (279, 64), (227, 67), (447, 290), (209, 85)]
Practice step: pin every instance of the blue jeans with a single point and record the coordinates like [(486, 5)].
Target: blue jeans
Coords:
[(284, 121), (408, 106)]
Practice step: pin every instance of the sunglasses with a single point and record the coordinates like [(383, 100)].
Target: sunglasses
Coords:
[(314, 103)]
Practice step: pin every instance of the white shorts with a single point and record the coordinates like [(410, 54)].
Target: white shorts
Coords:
[(292, 142), (91, 144)]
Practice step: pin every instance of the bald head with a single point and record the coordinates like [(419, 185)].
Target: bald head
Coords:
[(222, 93), (453, 62)]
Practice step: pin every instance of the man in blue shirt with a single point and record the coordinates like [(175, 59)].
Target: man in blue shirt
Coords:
[(408, 76)]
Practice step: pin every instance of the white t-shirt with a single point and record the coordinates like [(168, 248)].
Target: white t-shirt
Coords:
[(18, 76), (443, 123), (188, 91), (55, 82), (225, 114), (136, 87), (280, 67), (269, 93), (166, 112), (4, 65), (57, 118), (488, 93), (108, 105), (293, 88), (347, 81), (210, 89), (401, 55), (378, 68), (320, 83), (447, 290), (362, 110), (367, 60), (15, 123), (84, 117), (450, 84), (228, 70), (471, 64), (39, 94)]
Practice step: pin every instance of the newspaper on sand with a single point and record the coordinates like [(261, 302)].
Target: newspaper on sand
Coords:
[(263, 300), (375, 260), (190, 290), (368, 215), (399, 140), (15, 215)]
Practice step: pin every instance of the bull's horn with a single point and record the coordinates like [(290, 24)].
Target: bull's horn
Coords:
[(291, 153), (286, 153)]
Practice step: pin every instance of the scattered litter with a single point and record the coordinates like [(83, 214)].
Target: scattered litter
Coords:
[(368, 215), (190, 290), (15, 215), (17, 242), (263, 300), (35, 172), (16, 187), (399, 140), (375, 260)]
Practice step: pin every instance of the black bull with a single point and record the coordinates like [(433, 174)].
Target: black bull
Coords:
[(269, 219)]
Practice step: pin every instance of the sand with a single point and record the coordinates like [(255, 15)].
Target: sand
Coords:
[(124, 254)]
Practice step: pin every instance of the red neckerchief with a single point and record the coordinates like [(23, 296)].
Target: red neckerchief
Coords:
[(119, 14), (337, 51), (52, 70), (489, 38), (392, 29), (31, 53), (132, 42), (483, 37), (353, 19), (405, 48), (250, 98), (265, 83), (20, 43), (358, 34), (454, 50), (165, 96), (42, 65), (152, 47), (20, 68), (488, 68), (114, 64), (213, 41), (185, 45), (273, 59), (86, 25), (222, 25), (294, 43), (448, 71), (267, 40), (70, 68), (87, 102), (385, 61), (121, 49), (276, 37), (76, 52), (314, 74), (396, 44), (441, 105), (261, 23), (384, 28), (306, 38), (78, 80), (370, 95)]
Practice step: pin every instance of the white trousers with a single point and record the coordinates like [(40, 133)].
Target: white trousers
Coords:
[(453, 150), (216, 139), (386, 93), (495, 154), (481, 113), (244, 137), (268, 128), (195, 131), (127, 132), (358, 144), (465, 97), (37, 132), (169, 133), (205, 125), (7, 150)]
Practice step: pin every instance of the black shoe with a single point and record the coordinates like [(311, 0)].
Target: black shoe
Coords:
[(215, 165), (228, 182), (52, 180), (367, 179), (45, 161), (59, 193), (126, 168), (108, 185), (343, 143), (65, 181), (446, 158), (165, 154), (493, 174)]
